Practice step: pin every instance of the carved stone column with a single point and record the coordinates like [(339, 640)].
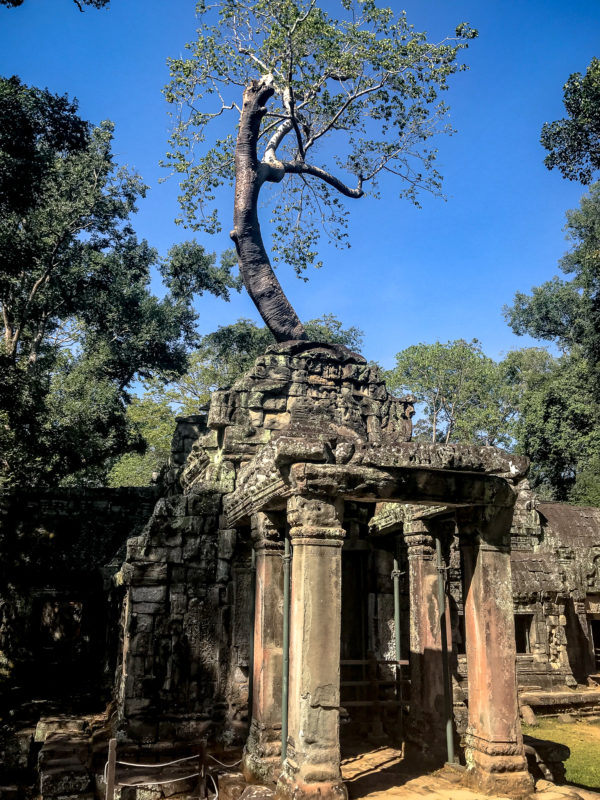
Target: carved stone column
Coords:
[(312, 766), (426, 731), (262, 754), (494, 752)]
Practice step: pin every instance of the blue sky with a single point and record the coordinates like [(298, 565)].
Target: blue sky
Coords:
[(412, 275)]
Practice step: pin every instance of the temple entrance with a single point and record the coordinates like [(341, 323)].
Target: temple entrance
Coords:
[(373, 686), (595, 629)]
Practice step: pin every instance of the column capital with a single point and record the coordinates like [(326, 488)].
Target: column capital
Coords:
[(267, 531), (316, 519), (419, 541), (488, 528)]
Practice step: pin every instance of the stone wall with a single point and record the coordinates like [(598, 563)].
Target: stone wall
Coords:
[(58, 551), (186, 623)]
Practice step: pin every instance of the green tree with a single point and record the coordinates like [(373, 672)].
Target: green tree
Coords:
[(573, 143), (78, 3), (568, 312), (79, 323), (465, 394), (155, 421), (296, 79), (558, 424)]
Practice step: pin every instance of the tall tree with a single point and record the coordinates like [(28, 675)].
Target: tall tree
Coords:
[(297, 78), (568, 312), (573, 143), (558, 423), (465, 394), (78, 320)]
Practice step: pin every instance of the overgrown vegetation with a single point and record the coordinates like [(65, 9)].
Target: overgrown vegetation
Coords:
[(78, 322)]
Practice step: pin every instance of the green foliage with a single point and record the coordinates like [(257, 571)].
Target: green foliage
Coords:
[(573, 144), (465, 394), (155, 422), (540, 406), (78, 3), (79, 323), (366, 83), (558, 426)]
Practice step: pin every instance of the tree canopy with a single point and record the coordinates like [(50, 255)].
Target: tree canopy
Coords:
[(568, 312), (573, 143), (78, 3), (323, 107), (558, 423), (465, 395), (79, 323)]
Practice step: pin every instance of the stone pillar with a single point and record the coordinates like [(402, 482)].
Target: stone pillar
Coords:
[(426, 729), (494, 744), (262, 753), (312, 766)]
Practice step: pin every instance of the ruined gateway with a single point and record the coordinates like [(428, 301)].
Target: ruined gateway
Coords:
[(307, 447)]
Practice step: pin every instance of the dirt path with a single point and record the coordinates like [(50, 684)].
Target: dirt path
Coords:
[(381, 774)]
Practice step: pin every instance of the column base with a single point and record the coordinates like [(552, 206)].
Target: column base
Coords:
[(263, 770), (294, 789), (261, 762), (501, 775)]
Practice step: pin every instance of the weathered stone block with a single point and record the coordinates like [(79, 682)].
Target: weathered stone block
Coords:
[(150, 574), (148, 594), (277, 422)]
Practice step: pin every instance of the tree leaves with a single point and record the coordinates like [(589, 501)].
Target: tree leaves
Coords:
[(79, 322), (367, 81), (573, 144), (465, 394)]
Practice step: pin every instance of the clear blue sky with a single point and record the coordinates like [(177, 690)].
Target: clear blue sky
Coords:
[(441, 272)]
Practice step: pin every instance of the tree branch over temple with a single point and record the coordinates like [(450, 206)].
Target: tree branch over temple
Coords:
[(329, 107)]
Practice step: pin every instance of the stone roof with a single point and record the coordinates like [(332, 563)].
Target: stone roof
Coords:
[(534, 574), (577, 526)]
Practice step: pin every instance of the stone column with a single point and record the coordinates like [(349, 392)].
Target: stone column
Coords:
[(262, 753), (312, 766), (426, 728), (494, 744)]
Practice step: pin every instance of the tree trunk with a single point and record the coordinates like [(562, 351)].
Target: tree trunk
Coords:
[(255, 269)]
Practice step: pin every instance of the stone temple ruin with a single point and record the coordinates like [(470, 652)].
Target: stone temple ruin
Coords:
[(424, 580)]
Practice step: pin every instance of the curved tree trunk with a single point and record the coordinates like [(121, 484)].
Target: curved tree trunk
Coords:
[(255, 268)]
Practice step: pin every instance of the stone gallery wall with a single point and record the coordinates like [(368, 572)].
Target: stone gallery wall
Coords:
[(186, 624), (58, 552)]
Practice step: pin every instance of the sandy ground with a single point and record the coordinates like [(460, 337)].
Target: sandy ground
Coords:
[(381, 774)]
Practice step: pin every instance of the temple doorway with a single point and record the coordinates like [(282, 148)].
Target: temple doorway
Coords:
[(595, 630), (373, 685)]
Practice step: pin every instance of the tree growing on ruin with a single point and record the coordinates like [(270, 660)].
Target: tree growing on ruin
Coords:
[(221, 357), (324, 109)]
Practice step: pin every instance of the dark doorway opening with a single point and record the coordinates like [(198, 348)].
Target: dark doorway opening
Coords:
[(523, 626), (595, 627)]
